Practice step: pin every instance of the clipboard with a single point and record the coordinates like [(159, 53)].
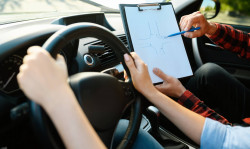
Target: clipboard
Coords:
[(146, 27)]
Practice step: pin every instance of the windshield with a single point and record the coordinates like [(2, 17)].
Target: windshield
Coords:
[(19, 10)]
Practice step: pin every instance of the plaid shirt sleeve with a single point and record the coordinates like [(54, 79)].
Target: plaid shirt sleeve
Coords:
[(232, 39), (190, 101)]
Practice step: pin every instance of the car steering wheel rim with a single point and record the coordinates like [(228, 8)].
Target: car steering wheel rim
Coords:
[(53, 45)]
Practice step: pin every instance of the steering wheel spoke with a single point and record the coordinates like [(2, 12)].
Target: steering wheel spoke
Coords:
[(101, 98), (129, 91)]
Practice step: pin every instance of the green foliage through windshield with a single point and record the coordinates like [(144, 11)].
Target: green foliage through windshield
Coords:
[(240, 6)]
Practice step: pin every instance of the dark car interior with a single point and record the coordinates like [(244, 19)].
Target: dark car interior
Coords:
[(17, 126)]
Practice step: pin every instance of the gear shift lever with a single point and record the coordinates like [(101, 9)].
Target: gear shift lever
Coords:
[(166, 142), (153, 115)]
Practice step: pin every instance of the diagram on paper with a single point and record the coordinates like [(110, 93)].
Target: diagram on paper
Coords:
[(153, 39)]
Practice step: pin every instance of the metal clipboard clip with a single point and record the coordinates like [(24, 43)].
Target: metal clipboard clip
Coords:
[(146, 5)]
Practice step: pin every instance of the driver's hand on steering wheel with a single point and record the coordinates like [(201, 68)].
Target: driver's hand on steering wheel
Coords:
[(139, 73), (41, 77), (197, 19)]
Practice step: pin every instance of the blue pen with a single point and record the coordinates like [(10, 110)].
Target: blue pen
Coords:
[(179, 33)]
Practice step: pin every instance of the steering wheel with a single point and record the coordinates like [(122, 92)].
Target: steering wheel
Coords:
[(102, 97)]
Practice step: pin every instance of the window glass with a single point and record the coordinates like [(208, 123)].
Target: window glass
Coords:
[(234, 12)]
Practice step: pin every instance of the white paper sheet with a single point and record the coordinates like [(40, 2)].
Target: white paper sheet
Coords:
[(149, 30)]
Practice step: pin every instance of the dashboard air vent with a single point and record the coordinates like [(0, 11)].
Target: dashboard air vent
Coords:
[(124, 40), (109, 55)]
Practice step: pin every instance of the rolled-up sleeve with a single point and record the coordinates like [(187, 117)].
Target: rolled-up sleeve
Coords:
[(217, 135)]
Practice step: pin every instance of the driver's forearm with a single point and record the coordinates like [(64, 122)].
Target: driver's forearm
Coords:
[(187, 121), (71, 123)]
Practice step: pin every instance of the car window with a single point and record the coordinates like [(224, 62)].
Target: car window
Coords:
[(20, 10), (234, 12)]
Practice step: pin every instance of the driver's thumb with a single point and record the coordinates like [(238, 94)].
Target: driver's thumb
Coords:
[(61, 61), (160, 74), (130, 63), (160, 87)]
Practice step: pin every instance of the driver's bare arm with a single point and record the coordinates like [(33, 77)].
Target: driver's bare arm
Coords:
[(189, 122), (196, 19), (44, 81)]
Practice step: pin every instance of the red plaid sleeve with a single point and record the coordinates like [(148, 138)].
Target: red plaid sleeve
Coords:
[(190, 101), (232, 39)]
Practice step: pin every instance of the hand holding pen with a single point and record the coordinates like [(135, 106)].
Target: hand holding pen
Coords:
[(198, 20)]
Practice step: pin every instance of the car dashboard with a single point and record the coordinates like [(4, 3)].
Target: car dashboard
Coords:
[(87, 54)]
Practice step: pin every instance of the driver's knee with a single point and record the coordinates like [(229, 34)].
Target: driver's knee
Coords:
[(119, 132), (143, 141)]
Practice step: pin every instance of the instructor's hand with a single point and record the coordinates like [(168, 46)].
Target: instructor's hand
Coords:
[(197, 19), (171, 86)]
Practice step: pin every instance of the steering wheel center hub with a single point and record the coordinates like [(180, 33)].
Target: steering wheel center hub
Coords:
[(101, 97)]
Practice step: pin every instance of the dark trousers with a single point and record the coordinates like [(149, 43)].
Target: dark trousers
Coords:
[(221, 92)]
